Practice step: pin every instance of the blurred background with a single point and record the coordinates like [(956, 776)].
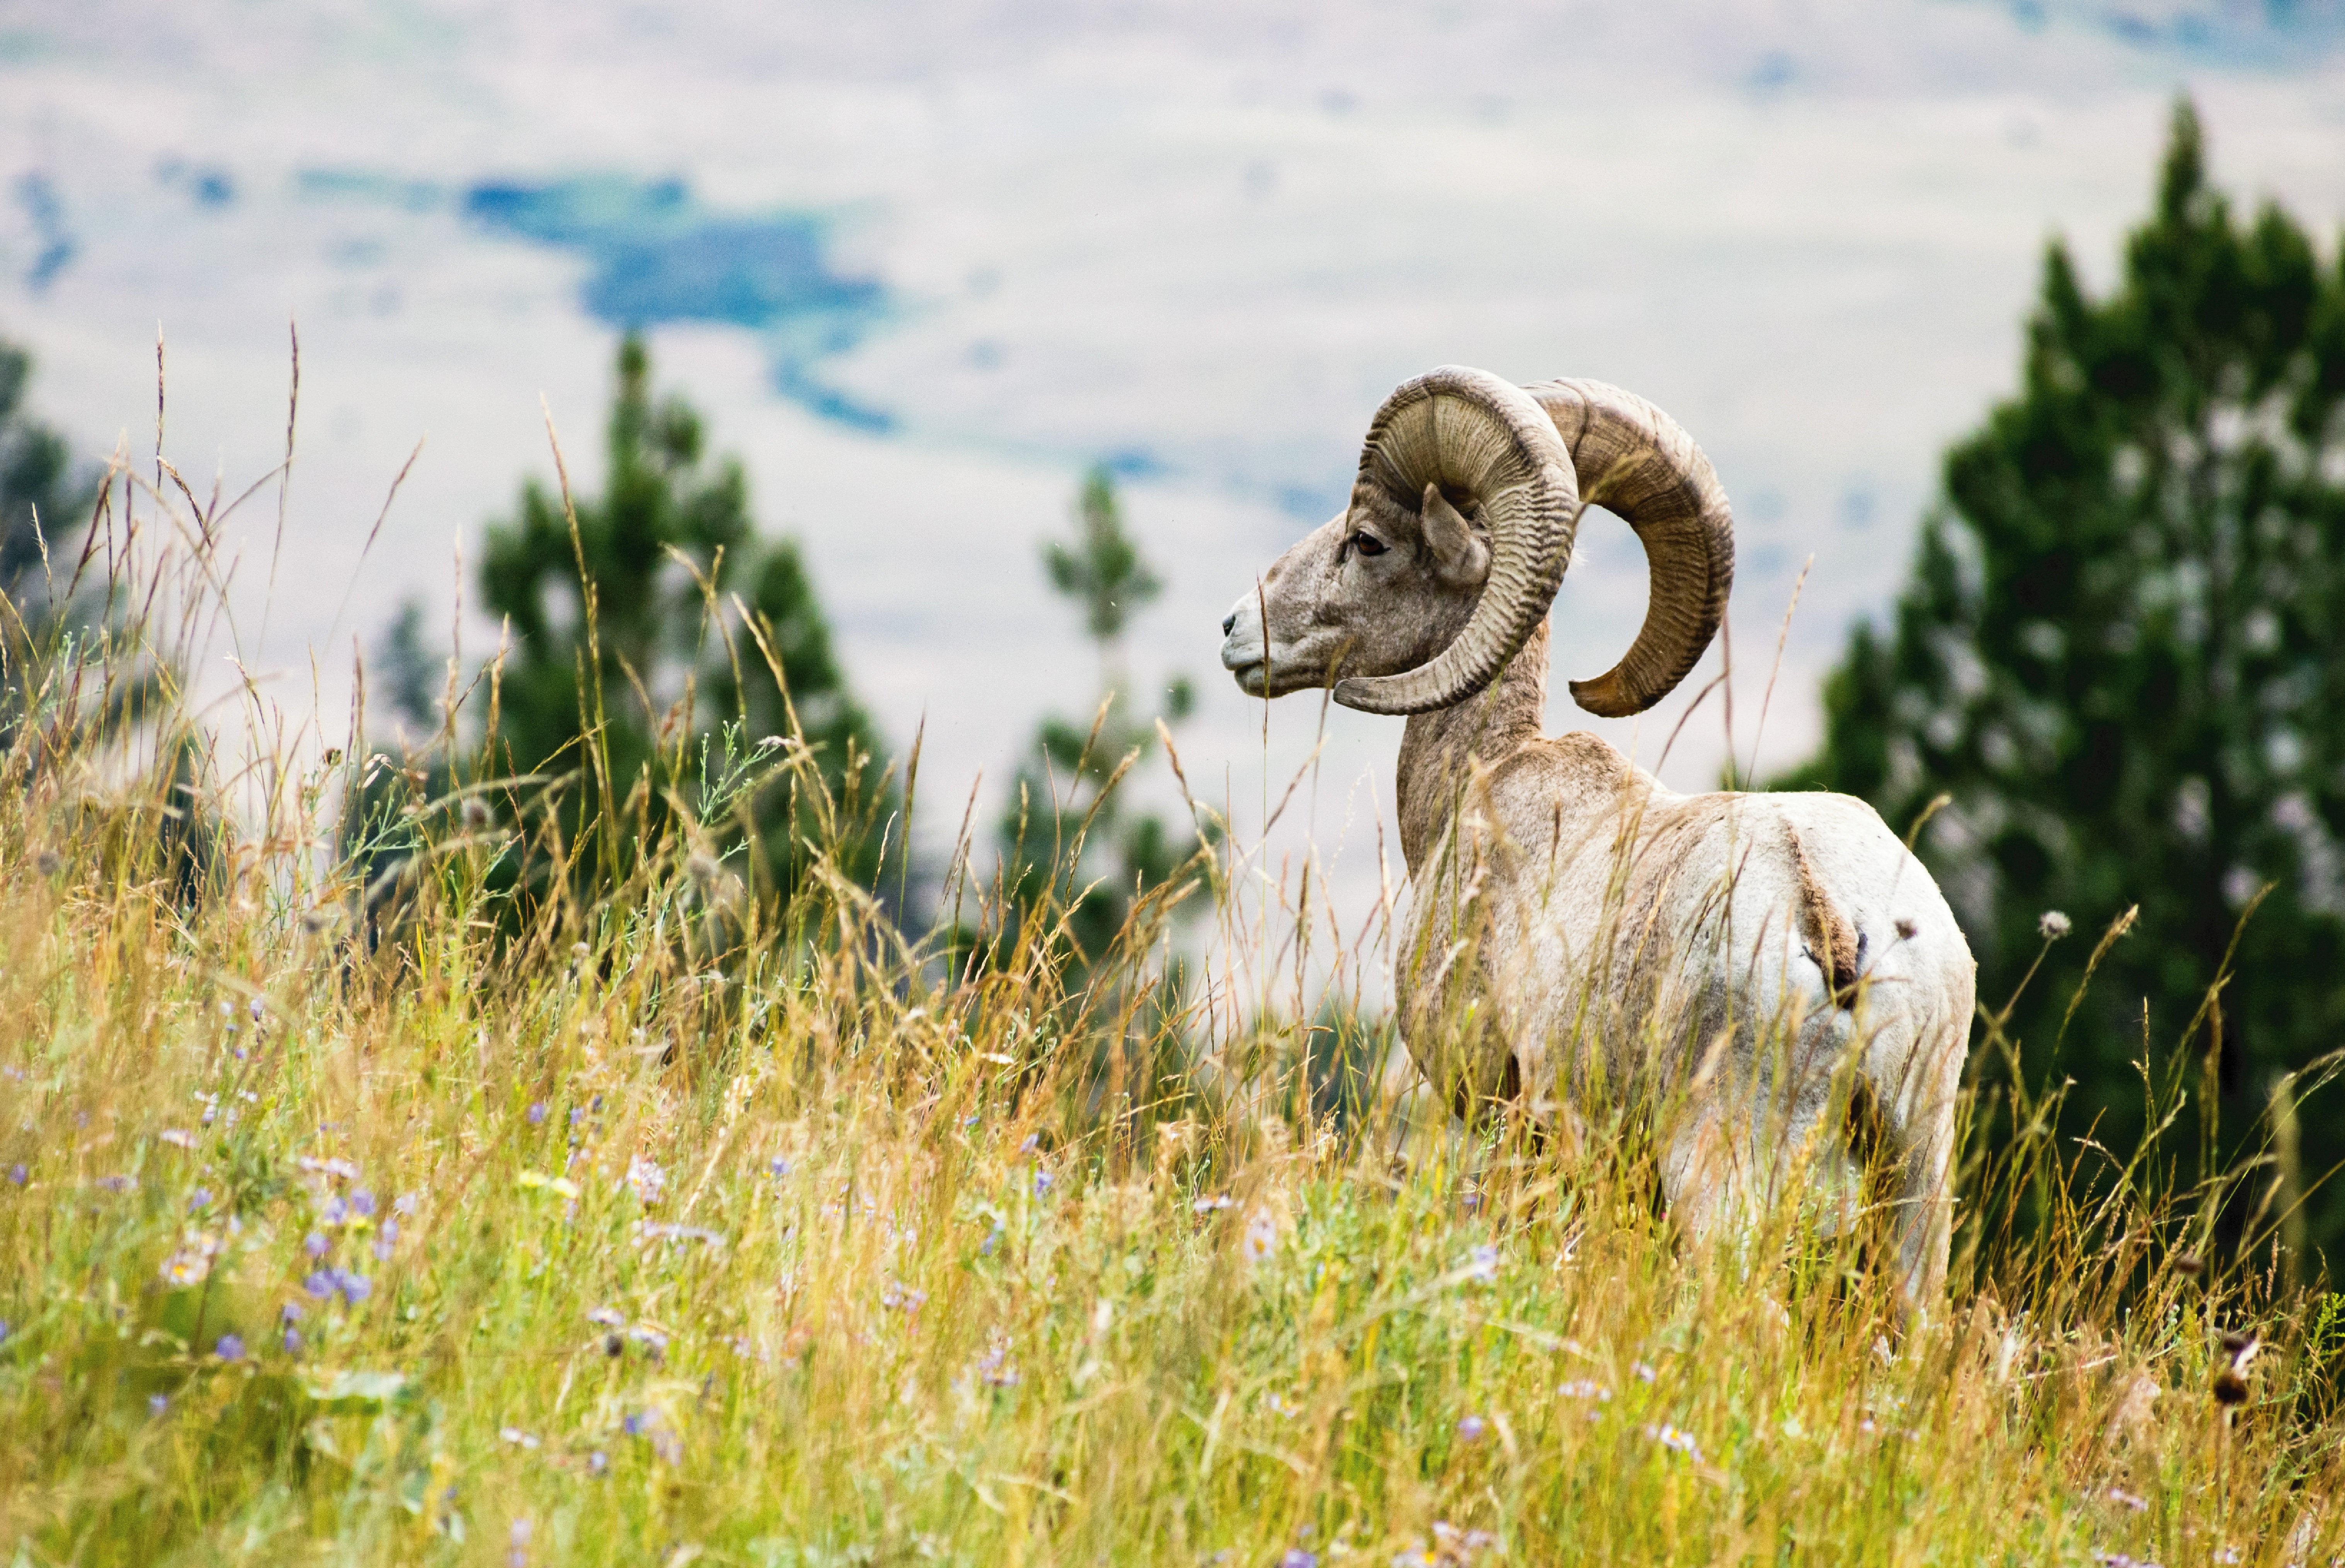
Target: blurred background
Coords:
[(922, 267), (919, 264)]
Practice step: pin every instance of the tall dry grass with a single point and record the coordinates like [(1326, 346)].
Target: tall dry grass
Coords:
[(686, 1224)]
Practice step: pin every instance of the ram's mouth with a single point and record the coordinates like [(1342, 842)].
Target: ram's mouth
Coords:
[(1252, 678)]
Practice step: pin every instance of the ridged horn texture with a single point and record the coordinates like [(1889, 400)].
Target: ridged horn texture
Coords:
[(1489, 441), (1632, 459)]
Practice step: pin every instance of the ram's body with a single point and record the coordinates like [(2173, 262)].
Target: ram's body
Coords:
[(1771, 980)]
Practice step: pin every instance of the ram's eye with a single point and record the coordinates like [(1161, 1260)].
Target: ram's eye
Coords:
[(1367, 543)]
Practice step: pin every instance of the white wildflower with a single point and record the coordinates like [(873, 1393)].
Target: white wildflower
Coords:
[(647, 1179), (1260, 1237)]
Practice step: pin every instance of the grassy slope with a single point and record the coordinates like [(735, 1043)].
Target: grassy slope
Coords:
[(577, 1259)]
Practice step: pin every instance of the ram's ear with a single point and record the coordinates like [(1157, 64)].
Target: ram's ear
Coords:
[(1460, 556)]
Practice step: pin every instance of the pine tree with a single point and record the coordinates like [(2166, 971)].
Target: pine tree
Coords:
[(36, 482), (66, 644), (44, 515), (80, 660), (643, 657), (1068, 829), (2119, 656)]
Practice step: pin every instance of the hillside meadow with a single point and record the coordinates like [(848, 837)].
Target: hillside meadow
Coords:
[(365, 1209)]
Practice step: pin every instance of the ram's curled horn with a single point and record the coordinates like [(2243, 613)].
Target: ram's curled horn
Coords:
[(1496, 455), (1632, 459), (1472, 434)]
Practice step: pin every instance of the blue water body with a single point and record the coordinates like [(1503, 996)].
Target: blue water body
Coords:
[(1775, 71), (1133, 462), (37, 195), (2235, 32), (366, 184), (207, 185), (657, 255), (792, 380)]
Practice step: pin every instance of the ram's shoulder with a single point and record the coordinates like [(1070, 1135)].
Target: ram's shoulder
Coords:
[(1580, 776)]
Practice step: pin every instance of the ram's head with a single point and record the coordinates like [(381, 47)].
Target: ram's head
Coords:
[(1459, 528)]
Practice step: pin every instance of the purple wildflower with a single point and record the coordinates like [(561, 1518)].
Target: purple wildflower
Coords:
[(362, 1204), (315, 1244), (995, 1367), (1452, 1544), (536, 1112), (200, 1198), (336, 1212), (156, 1404), (229, 1348), (18, 1175), (1471, 1428), (326, 1283), (647, 1425)]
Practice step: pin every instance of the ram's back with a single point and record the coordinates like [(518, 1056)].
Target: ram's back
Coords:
[(1624, 916)]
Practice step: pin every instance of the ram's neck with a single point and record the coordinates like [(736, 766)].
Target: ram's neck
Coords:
[(1438, 746)]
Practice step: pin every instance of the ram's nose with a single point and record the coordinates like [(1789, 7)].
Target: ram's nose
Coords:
[(1228, 623)]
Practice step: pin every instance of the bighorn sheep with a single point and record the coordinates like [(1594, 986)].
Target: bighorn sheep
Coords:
[(1774, 976)]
